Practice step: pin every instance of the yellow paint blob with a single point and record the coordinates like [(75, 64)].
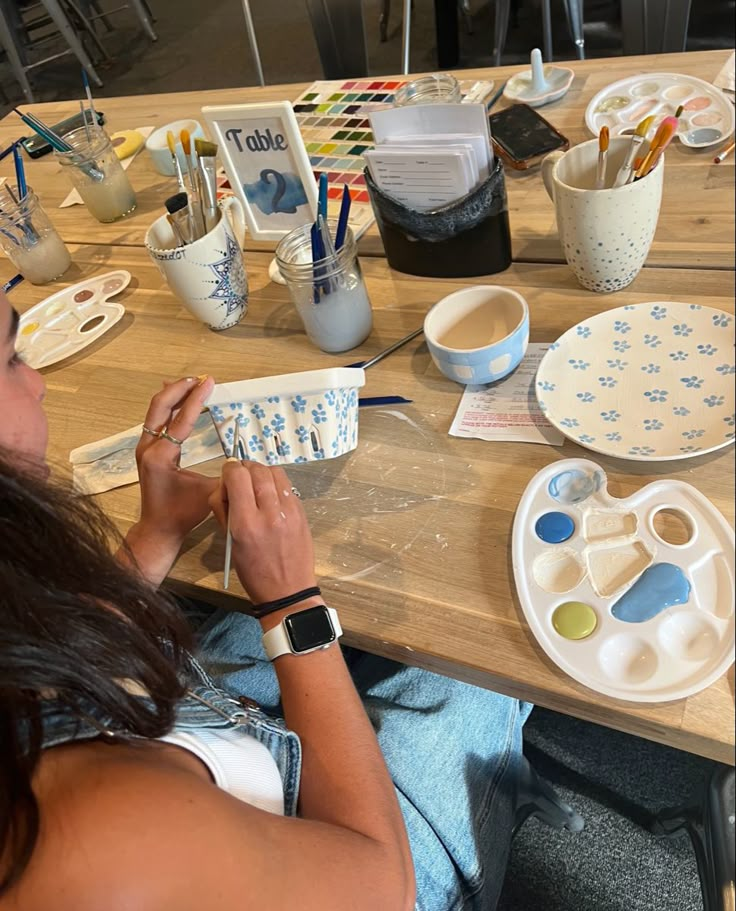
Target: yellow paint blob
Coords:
[(574, 620), (29, 328)]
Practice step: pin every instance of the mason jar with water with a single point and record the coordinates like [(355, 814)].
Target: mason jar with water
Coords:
[(328, 291)]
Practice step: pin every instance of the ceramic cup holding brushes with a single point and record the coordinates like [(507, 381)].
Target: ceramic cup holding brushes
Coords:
[(158, 149), (207, 275), (606, 234)]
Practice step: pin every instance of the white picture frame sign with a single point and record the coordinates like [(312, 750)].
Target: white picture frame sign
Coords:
[(263, 154)]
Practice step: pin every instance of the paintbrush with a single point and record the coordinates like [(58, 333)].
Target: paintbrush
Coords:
[(88, 92), (603, 141), (627, 169), (662, 138), (171, 143), (206, 153), (194, 204), (723, 154), (228, 535), (178, 209)]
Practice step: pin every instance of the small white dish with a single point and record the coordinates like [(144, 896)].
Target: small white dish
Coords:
[(478, 335), (540, 85), (615, 599), (158, 148), (647, 382), (70, 320), (291, 418)]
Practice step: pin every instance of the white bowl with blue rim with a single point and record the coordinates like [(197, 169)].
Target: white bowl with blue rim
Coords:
[(291, 418), (479, 334)]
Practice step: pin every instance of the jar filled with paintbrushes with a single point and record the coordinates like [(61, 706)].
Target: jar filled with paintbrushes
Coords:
[(326, 285), (28, 238), (96, 173)]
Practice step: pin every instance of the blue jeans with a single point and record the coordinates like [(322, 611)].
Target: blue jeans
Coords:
[(452, 750)]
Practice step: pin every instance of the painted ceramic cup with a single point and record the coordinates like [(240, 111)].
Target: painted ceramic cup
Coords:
[(605, 234), (208, 276), (479, 334)]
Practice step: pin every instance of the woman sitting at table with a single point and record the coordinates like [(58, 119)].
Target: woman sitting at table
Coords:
[(129, 780)]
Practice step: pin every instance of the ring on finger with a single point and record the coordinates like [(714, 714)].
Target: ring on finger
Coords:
[(296, 493), (172, 439), (151, 432)]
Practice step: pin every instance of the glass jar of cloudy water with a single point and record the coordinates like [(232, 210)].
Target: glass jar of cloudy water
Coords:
[(434, 89), (329, 294), (28, 238), (96, 173)]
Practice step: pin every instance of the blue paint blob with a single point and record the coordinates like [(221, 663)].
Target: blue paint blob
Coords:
[(554, 527), (658, 588), (574, 485)]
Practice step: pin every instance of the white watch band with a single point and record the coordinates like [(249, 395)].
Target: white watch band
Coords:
[(276, 641)]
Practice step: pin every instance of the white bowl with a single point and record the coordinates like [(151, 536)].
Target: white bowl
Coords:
[(291, 418)]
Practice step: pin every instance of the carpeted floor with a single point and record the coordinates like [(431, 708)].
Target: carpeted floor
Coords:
[(614, 864)]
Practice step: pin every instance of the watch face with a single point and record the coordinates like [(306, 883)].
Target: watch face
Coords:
[(309, 629)]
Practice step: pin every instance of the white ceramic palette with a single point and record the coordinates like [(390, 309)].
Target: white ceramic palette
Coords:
[(707, 118), (610, 601), (71, 319), (648, 382)]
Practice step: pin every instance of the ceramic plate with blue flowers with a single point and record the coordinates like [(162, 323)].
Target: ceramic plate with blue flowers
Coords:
[(289, 419), (648, 382)]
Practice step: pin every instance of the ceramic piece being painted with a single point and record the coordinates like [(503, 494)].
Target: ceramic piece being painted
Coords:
[(660, 94), (658, 588), (646, 382), (290, 419), (615, 605), (70, 320)]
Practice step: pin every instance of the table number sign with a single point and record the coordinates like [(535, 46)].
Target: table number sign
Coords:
[(267, 165)]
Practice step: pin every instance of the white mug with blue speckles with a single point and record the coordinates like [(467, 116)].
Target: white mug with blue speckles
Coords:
[(606, 234), (478, 335)]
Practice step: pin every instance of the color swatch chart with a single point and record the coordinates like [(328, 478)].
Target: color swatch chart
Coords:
[(333, 120)]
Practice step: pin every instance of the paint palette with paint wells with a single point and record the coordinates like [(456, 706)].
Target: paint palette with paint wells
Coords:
[(707, 117), (70, 320), (632, 597)]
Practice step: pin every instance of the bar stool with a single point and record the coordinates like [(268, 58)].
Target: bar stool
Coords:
[(573, 13)]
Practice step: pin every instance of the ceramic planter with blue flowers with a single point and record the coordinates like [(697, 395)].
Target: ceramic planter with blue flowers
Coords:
[(292, 418)]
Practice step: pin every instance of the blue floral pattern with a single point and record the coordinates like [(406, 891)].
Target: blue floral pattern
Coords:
[(654, 370), (286, 430)]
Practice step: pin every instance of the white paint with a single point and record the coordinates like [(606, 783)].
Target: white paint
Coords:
[(500, 364)]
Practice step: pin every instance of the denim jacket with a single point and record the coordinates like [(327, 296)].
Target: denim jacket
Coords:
[(203, 706)]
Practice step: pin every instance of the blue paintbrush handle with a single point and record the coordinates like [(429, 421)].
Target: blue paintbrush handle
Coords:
[(342, 222)]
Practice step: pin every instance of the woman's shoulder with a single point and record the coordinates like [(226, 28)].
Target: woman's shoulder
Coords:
[(122, 826)]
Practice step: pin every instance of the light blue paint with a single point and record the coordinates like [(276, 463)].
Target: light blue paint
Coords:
[(554, 527), (276, 192), (658, 588), (574, 485)]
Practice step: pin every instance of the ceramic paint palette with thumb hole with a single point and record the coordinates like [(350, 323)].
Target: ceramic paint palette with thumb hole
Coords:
[(634, 598), (70, 320)]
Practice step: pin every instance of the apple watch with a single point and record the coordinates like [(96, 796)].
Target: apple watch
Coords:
[(302, 632)]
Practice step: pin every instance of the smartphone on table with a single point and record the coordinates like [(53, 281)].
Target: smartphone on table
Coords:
[(521, 137), (36, 145)]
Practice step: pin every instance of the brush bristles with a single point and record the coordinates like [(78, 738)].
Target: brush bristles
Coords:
[(176, 203), (643, 127), (205, 149), (171, 142), (186, 141), (604, 139)]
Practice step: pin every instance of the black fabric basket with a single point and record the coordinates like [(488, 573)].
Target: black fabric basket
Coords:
[(471, 236)]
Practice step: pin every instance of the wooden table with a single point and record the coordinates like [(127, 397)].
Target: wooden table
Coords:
[(412, 530), (695, 227)]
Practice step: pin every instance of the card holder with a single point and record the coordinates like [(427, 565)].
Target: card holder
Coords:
[(468, 237)]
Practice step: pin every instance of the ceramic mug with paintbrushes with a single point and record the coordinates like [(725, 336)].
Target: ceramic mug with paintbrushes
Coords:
[(606, 230), (207, 275)]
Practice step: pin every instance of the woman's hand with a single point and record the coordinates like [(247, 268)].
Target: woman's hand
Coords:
[(272, 551), (173, 501)]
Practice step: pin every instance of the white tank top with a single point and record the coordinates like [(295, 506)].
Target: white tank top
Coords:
[(238, 763)]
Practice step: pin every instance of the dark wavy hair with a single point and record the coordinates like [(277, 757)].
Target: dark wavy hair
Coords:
[(74, 624)]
